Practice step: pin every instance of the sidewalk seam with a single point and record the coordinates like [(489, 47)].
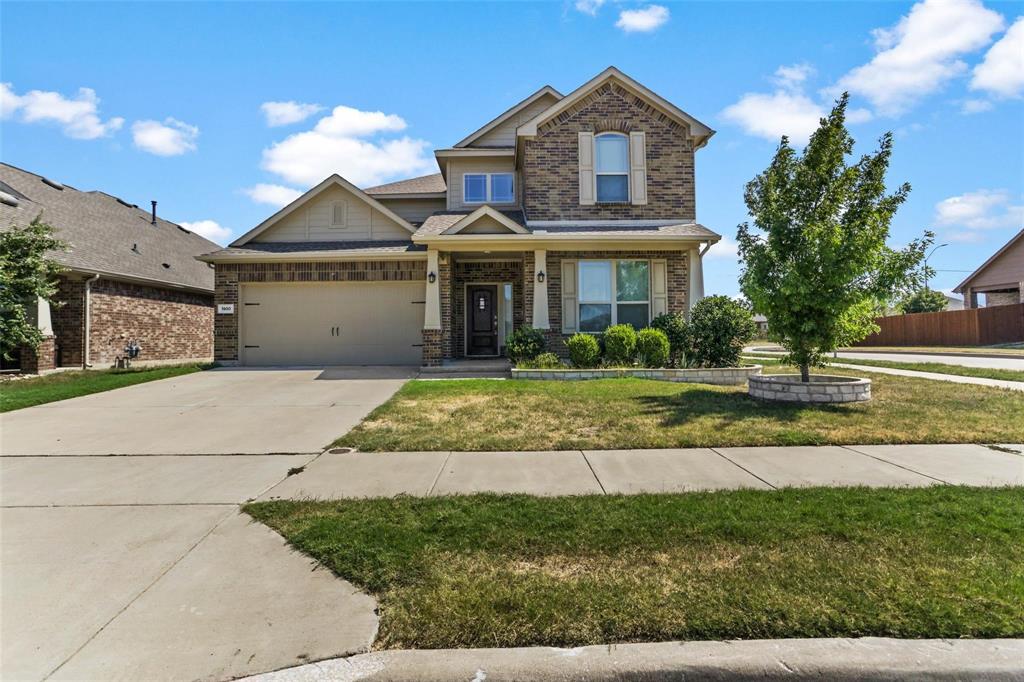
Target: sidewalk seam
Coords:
[(430, 491), (913, 471), (740, 466), (594, 473)]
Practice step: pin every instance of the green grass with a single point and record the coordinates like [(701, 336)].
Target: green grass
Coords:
[(639, 413), (936, 367), (19, 393), (505, 571)]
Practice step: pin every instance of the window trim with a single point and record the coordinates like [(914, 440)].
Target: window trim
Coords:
[(613, 302), (488, 189), (625, 173)]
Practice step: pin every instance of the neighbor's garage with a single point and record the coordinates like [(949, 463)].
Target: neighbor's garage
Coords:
[(332, 323)]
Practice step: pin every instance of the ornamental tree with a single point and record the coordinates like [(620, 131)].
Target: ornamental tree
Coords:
[(815, 261), (924, 301), (26, 273)]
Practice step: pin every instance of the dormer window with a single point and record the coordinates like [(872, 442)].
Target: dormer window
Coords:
[(612, 167), (481, 188)]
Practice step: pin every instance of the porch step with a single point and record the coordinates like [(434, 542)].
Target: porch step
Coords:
[(452, 369)]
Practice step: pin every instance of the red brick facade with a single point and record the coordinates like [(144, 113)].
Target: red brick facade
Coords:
[(476, 272), (550, 174)]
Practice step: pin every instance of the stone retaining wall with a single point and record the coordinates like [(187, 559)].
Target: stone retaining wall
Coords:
[(820, 389), (721, 376)]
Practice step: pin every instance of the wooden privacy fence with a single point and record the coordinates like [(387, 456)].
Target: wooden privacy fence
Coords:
[(974, 327)]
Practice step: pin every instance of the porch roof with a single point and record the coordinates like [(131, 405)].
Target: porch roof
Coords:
[(357, 250)]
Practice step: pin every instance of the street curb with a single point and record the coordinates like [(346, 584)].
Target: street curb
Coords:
[(869, 658)]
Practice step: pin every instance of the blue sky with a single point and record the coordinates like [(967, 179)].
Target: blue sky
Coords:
[(172, 106)]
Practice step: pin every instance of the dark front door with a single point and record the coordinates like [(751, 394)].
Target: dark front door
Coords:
[(482, 320)]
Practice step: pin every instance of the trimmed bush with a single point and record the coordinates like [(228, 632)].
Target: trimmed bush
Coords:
[(719, 328), (652, 347), (620, 344), (677, 330), (584, 350), (525, 343), (542, 361)]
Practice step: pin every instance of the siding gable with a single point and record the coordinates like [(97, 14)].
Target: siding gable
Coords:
[(504, 134), (314, 221)]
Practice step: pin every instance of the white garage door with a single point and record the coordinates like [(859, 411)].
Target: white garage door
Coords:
[(332, 323)]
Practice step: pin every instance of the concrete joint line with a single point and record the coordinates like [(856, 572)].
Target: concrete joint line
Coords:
[(743, 468), (137, 596), (120, 504), (591, 467), (283, 479), (430, 492), (899, 466)]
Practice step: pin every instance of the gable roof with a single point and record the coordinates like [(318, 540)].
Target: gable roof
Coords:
[(102, 231), (1013, 240), (699, 131), (546, 91), (501, 218), (333, 181), (425, 184)]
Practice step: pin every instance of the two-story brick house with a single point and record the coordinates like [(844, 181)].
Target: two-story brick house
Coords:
[(568, 213)]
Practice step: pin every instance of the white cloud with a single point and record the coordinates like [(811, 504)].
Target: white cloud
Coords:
[(337, 144), (975, 106), (589, 6), (793, 76), (286, 113), (984, 209), (1002, 71), (644, 20), (170, 138), (726, 249), (77, 116), (210, 229), (920, 54), (275, 195), (773, 115)]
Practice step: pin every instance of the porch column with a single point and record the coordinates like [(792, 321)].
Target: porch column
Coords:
[(540, 290), (696, 278), (969, 299), (432, 314)]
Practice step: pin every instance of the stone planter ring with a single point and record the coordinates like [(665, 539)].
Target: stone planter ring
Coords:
[(822, 388)]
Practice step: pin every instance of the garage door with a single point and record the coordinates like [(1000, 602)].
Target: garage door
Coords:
[(332, 323)]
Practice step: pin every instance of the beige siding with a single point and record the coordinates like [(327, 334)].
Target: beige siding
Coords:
[(413, 210), (1007, 269), (313, 221), (459, 167), (485, 225), (504, 134)]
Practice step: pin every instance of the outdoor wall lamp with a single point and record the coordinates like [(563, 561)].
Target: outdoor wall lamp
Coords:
[(540, 277), (432, 278)]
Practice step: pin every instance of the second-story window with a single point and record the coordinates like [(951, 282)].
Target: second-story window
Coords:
[(480, 188), (612, 167)]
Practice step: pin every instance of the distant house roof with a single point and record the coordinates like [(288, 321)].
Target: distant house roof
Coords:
[(425, 184), (106, 235), (1011, 272)]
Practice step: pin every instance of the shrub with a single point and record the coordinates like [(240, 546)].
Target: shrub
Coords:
[(584, 351), (542, 361), (719, 328), (525, 343), (620, 344), (652, 347), (677, 330)]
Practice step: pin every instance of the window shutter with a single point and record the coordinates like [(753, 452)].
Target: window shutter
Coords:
[(637, 168), (586, 153), (659, 288), (569, 297)]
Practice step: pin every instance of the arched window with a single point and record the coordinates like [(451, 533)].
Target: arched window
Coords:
[(611, 152)]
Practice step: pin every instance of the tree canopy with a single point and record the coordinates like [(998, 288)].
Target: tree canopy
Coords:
[(26, 274), (815, 259), (924, 301)]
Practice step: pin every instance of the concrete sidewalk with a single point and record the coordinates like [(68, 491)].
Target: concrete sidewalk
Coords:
[(578, 472), (869, 658)]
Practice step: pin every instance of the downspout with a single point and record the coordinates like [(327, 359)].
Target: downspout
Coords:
[(88, 319)]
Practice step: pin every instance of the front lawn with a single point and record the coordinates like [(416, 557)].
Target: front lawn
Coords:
[(18, 393), (507, 571), (639, 413)]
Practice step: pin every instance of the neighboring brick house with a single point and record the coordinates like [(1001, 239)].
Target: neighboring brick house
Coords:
[(130, 276), (568, 213)]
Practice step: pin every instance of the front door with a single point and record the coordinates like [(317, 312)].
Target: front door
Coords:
[(482, 320)]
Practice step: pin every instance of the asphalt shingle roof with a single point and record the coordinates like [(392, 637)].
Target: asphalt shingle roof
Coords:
[(421, 185), (320, 248), (440, 221), (101, 232)]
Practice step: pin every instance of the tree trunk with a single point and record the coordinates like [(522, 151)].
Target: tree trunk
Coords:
[(805, 373)]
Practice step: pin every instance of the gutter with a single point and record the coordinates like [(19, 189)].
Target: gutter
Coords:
[(88, 320)]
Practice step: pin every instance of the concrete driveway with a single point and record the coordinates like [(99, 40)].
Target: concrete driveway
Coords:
[(223, 411)]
